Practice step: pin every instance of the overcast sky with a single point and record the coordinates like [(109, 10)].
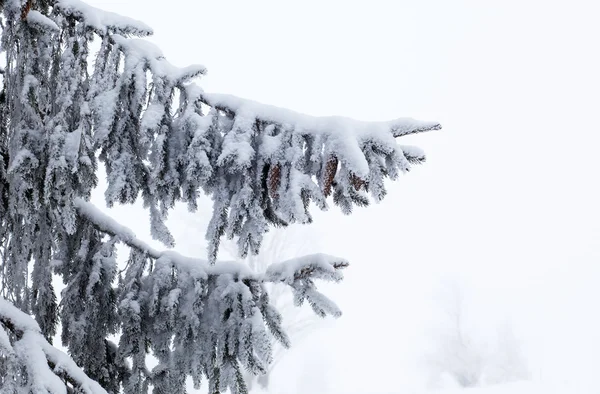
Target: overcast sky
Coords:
[(507, 203)]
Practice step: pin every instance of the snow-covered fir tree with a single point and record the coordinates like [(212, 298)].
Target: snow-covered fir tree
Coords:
[(64, 110)]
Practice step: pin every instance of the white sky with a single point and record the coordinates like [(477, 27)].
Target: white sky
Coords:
[(507, 202)]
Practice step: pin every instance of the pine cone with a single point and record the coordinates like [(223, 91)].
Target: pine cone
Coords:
[(330, 171), (274, 181), (25, 10)]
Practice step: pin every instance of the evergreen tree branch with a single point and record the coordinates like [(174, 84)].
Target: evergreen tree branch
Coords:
[(290, 271), (282, 117), (30, 342)]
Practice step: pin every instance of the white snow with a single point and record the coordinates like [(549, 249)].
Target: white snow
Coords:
[(107, 102), (412, 152), (39, 375), (72, 144), (317, 124), (237, 145), (5, 342), (145, 50), (36, 18), (152, 116), (21, 321), (286, 271), (270, 144), (107, 224)]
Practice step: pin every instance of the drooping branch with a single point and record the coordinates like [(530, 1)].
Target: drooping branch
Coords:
[(45, 365), (108, 225), (314, 266), (101, 21), (226, 305), (263, 165)]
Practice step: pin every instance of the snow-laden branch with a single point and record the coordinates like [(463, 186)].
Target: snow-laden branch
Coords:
[(143, 49), (314, 266), (263, 165), (103, 21), (349, 128), (31, 351), (226, 305), (318, 265)]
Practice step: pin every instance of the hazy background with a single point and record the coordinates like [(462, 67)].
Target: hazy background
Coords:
[(506, 205)]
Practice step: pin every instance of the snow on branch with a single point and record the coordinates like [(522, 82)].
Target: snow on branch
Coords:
[(315, 124), (140, 49), (193, 311), (262, 165), (299, 274), (103, 21), (315, 266), (37, 18), (310, 266), (295, 159), (108, 225), (45, 366), (345, 138)]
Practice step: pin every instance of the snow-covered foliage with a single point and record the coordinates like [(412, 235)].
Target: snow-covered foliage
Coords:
[(281, 244), (163, 139), (28, 360)]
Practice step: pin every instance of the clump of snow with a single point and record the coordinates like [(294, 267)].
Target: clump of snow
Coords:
[(144, 50), (316, 124), (290, 270), (287, 117), (103, 21), (36, 18), (20, 321)]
